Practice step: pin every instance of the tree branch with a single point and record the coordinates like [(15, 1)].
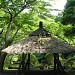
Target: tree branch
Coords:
[(12, 18), (15, 34), (2, 31), (8, 28), (23, 7)]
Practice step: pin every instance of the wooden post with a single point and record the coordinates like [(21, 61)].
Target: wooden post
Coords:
[(23, 61), (54, 61), (28, 61), (55, 66), (60, 69), (58, 64)]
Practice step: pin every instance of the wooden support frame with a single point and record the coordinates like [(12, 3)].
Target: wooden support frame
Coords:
[(57, 64)]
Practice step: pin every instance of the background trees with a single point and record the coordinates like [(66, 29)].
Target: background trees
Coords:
[(68, 19), (12, 19), (69, 13), (19, 18), (69, 16)]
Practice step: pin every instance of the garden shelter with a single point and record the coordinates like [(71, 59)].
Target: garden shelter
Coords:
[(40, 41)]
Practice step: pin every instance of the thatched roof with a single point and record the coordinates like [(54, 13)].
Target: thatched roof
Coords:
[(40, 31), (40, 41), (39, 45)]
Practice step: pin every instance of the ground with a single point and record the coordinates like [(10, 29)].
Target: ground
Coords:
[(34, 72), (37, 72)]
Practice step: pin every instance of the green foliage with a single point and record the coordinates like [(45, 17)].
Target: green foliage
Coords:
[(49, 59), (34, 61), (70, 62), (69, 13), (15, 23), (58, 17), (69, 30), (45, 60), (10, 59)]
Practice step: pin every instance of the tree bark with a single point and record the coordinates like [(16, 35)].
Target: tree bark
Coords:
[(3, 55), (7, 40)]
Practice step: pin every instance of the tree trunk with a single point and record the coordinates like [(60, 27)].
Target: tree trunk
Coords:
[(7, 40), (3, 55)]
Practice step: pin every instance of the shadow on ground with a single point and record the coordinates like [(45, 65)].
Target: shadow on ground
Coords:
[(37, 72)]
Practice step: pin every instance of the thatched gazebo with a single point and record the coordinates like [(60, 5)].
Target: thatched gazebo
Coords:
[(40, 41)]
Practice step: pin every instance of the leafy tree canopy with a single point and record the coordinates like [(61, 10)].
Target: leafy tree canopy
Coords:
[(12, 19), (69, 13)]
